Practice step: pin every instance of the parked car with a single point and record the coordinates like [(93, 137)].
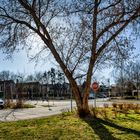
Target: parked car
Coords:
[(1, 103), (101, 95)]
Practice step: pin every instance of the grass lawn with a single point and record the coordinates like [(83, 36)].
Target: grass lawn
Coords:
[(68, 126)]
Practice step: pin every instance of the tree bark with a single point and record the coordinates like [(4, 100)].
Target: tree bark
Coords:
[(81, 102)]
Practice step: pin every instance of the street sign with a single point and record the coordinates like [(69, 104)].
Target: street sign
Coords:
[(95, 86)]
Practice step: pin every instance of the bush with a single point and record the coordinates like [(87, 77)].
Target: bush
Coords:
[(129, 97), (114, 105), (17, 105), (94, 112), (120, 106), (24, 106), (9, 104), (137, 109), (106, 105)]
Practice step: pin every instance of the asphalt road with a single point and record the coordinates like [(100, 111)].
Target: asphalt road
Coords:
[(42, 109)]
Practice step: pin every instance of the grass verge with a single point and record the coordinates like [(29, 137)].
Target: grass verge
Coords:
[(68, 126), (15, 106)]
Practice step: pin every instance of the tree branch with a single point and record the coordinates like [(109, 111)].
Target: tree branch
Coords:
[(117, 32)]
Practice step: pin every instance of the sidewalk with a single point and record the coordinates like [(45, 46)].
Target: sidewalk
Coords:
[(55, 107), (22, 114)]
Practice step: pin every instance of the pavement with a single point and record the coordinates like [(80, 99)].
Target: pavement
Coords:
[(44, 109), (41, 110)]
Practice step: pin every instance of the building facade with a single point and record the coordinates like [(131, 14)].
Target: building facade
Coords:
[(7, 89)]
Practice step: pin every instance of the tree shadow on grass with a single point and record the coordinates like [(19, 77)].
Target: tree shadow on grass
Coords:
[(130, 119), (98, 125), (100, 129)]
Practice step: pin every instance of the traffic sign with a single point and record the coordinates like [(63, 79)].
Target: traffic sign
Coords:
[(95, 86)]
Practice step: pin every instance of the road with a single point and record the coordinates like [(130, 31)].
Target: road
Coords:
[(42, 109)]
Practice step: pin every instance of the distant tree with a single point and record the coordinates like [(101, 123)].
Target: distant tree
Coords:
[(21, 77), (128, 77), (38, 77), (135, 75), (30, 78), (45, 78), (53, 76), (5, 75), (60, 77), (81, 35)]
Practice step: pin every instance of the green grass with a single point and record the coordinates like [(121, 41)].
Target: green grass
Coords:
[(28, 106), (47, 105), (15, 106), (68, 126)]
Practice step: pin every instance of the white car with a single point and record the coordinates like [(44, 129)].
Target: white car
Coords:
[(1, 103)]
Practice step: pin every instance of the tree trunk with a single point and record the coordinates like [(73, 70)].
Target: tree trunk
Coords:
[(83, 108), (81, 102)]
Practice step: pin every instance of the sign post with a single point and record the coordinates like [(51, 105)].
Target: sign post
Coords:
[(95, 87)]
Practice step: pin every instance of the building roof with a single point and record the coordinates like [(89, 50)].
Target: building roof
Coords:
[(31, 83), (6, 81)]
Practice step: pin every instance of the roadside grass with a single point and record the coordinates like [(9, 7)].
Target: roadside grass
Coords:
[(47, 105), (15, 106), (68, 126), (28, 106)]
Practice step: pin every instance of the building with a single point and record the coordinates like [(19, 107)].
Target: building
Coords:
[(34, 90), (59, 91), (7, 89), (29, 90), (136, 93)]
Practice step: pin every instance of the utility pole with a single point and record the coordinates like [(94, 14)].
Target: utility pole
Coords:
[(71, 101), (122, 80), (109, 88)]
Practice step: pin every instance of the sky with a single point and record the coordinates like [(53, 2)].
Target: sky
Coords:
[(20, 63)]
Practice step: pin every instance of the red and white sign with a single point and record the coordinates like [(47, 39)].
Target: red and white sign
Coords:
[(95, 86)]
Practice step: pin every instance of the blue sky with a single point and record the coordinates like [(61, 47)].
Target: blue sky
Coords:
[(20, 63)]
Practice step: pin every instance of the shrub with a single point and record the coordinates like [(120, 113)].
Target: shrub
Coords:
[(120, 106), (94, 112), (106, 105), (17, 105), (114, 105), (137, 109), (130, 106), (8, 104), (125, 109), (104, 113)]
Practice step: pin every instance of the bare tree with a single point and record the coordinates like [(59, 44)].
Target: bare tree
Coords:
[(38, 76), (30, 78), (7, 75), (135, 75), (91, 31)]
